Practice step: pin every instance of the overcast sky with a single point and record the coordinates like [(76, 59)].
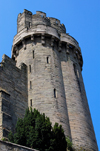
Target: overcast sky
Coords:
[(82, 21)]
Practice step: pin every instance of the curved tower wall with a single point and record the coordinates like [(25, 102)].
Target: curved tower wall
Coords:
[(55, 84)]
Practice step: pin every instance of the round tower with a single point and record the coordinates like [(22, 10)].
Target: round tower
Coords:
[(55, 84)]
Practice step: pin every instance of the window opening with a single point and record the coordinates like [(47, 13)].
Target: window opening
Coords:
[(70, 46), (55, 93), (48, 60), (29, 68), (31, 102), (56, 22)]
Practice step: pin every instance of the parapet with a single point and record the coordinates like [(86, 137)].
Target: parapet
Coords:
[(28, 20), (57, 25)]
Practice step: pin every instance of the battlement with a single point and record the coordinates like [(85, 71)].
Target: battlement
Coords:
[(42, 14), (29, 21), (57, 25)]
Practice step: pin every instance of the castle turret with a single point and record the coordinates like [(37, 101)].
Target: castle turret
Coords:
[(55, 84)]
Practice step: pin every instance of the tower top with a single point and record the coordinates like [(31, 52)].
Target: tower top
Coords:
[(28, 20), (30, 26)]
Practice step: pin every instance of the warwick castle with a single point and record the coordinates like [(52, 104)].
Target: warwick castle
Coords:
[(44, 72)]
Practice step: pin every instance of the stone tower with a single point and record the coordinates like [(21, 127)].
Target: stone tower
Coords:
[(45, 73)]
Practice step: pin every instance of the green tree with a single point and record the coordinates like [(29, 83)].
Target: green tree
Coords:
[(59, 137), (36, 131), (69, 144)]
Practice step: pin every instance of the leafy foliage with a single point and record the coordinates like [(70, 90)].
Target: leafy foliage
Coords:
[(36, 131), (69, 144)]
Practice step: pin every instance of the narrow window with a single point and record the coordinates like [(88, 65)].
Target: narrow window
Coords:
[(31, 102), (47, 59), (30, 68), (55, 93), (33, 54), (30, 84)]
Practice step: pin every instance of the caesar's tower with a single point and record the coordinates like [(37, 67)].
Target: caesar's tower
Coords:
[(55, 85)]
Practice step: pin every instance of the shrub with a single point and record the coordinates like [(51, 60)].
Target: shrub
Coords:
[(35, 131)]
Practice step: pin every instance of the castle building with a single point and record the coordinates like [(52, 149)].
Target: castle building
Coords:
[(44, 72)]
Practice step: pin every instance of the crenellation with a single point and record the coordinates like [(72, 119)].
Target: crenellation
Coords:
[(55, 23), (42, 14)]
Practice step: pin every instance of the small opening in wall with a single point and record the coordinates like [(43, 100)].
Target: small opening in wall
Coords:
[(29, 68), (13, 58), (31, 102), (56, 22), (48, 60), (30, 84), (55, 93), (33, 54), (70, 46), (29, 24), (42, 15)]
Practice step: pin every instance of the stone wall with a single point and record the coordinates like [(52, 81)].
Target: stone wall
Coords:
[(45, 77), (82, 131), (13, 94), (6, 146)]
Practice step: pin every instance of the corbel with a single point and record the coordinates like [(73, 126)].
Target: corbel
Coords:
[(59, 48), (75, 52), (23, 42), (32, 39), (52, 41), (67, 48), (14, 51), (17, 51), (43, 39), (78, 56)]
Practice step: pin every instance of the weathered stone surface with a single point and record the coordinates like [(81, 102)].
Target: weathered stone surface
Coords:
[(7, 146), (45, 73), (13, 93)]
